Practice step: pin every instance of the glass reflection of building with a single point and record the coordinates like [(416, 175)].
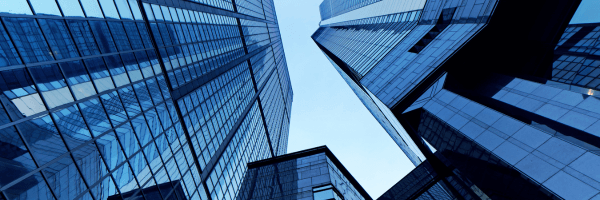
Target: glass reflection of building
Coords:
[(115, 99), (309, 174), (489, 99)]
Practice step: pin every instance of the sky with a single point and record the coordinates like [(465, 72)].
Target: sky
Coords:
[(325, 111), (586, 13)]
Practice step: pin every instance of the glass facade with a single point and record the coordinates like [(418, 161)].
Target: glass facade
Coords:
[(312, 174), (153, 99), (485, 107)]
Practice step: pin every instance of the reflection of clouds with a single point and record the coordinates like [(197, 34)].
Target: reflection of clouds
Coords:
[(29, 105), (57, 97)]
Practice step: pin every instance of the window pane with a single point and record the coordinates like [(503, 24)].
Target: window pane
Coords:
[(92, 9), (16, 160), (28, 39), (136, 10), (103, 36), (51, 83), (38, 189), (115, 66), (72, 126), (20, 90), (124, 9), (8, 53), (43, 139), (58, 37), (78, 79), (15, 7), (84, 38), (100, 74), (110, 11), (45, 7), (94, 114), (71, 8)]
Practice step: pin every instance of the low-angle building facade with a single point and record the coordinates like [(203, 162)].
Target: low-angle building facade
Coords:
[(134, 99), (311, 174), (490, 99)]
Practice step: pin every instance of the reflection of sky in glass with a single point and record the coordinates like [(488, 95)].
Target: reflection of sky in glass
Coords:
[(384, 7), (71, 8), (587, 12), (15, 7), (45, 7), (92, 9)]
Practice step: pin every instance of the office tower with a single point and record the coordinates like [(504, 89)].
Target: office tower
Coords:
[(154, 99), (499, 98), (312, 174)]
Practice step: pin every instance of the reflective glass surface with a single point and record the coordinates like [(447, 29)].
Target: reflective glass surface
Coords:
[(310, 175), (118, 99), (498, 123)]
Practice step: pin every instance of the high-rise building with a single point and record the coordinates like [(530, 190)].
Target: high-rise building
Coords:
[(312, 174), (154, 99), (492, 99)]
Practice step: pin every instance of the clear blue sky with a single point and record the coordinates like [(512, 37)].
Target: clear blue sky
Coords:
[(326, 111)]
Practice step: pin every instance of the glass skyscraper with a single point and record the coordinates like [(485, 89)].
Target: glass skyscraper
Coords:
[(312, 174), (490, 99), (154, 99)]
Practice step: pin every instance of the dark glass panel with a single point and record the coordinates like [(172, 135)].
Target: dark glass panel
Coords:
[(8, 53), (133, 35), (57, 35), (84, 37), (28, 39), (119, 35), (64, 174), (43, 139), (32, 187), (103, 36), (16, 160)]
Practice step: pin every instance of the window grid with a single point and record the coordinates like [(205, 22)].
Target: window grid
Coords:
[(86, 105), (362, 43)]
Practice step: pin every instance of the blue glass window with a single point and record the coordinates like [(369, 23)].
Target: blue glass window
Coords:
[(72, 126), (52, 85), (8, 53), (94, 114), (78, 79), (28, 39), (103, 36), (45, 7), (92, 9), (71, 8), (84, 38), (115, 66), (58, 37), (114, 108)]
